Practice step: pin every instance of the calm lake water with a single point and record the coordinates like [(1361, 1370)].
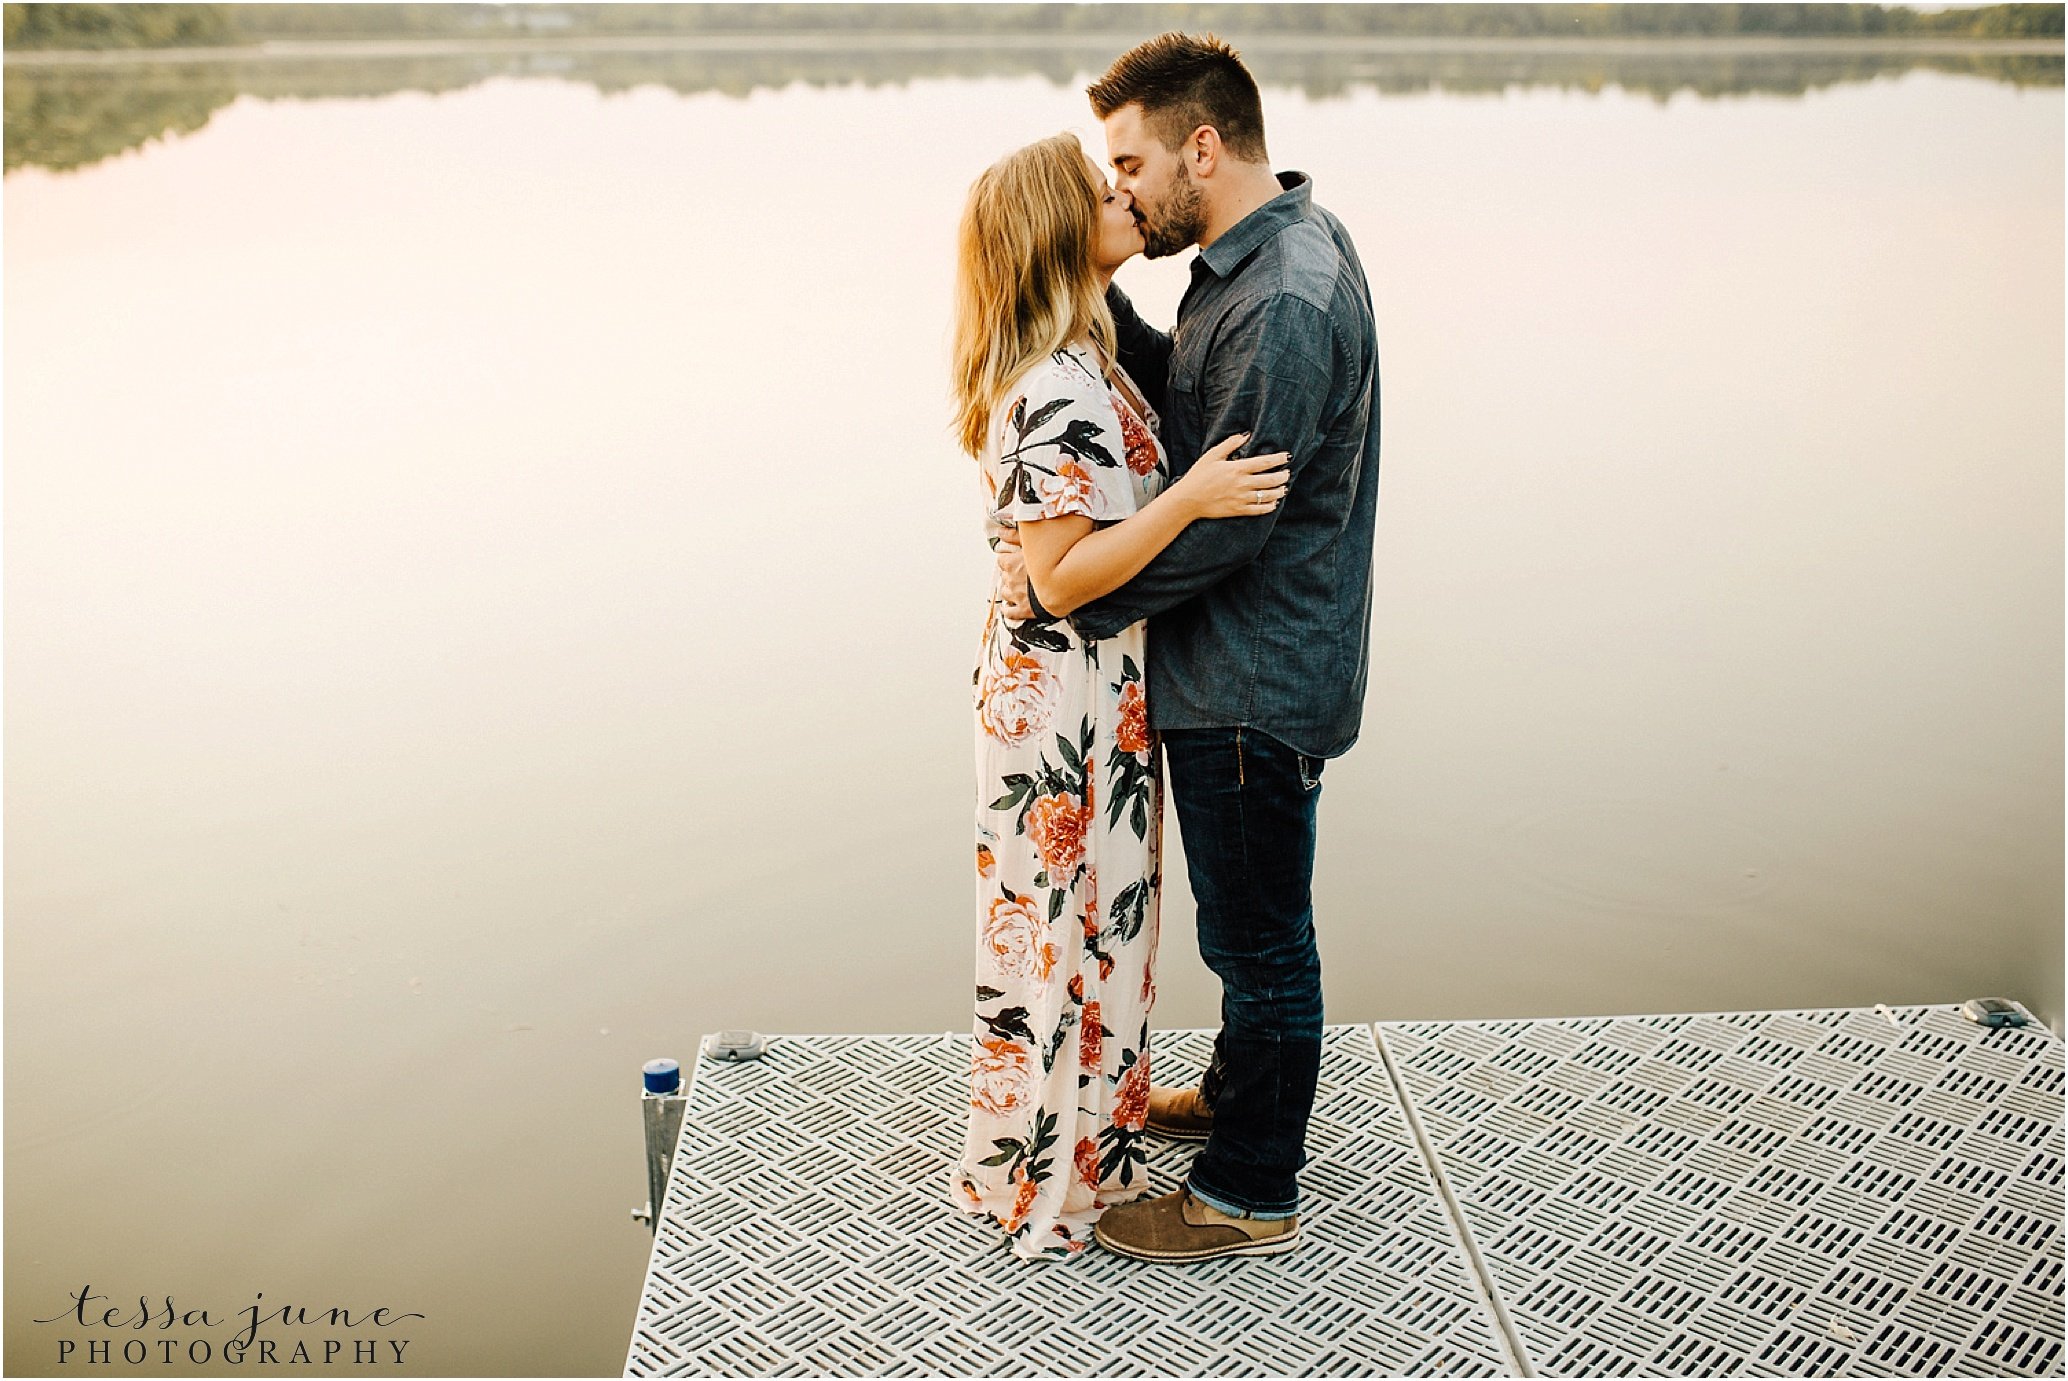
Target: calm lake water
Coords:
[(490, 597)]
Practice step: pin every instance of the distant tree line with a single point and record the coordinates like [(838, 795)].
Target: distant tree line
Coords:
[(122, 26), (51, 25), (71, 115)]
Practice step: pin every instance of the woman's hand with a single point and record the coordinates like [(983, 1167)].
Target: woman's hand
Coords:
[(1223, 485)]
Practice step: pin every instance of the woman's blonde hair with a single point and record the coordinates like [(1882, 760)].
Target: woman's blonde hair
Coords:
[(1025, 284)]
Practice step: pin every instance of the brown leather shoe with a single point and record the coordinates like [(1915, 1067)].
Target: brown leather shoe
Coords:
[(1178, 1227), (1177, 1112)]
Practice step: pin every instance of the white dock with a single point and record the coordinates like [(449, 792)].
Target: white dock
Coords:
[(1796, 1193)]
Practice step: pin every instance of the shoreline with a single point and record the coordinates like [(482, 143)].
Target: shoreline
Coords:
[(837, 40)]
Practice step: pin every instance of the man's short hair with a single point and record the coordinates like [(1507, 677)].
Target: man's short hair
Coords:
[(1181, 83)]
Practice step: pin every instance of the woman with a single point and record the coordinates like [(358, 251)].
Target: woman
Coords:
[(1069, 790)]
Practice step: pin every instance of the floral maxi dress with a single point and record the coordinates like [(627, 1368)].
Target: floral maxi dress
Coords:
[(1069, 844)]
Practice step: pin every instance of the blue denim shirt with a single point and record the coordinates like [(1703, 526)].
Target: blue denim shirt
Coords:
[(1263, 622)]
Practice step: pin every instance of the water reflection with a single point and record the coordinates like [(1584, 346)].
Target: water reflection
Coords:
[(71, 116)]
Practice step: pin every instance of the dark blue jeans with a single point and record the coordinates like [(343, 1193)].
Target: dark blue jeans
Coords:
[(1246, 810)]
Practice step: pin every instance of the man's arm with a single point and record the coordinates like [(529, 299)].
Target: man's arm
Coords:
[(1269, 372), (1144, 350)]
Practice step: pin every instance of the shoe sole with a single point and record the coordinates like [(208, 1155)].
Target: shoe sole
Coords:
[(1177, 1133), (1266, 1246)]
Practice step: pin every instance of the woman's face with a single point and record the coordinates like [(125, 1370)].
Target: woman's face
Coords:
[(1118, 238)]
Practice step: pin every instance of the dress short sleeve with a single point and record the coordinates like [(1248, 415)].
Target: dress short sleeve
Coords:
[(1061, 451)]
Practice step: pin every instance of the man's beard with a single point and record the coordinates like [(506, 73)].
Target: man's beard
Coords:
[(1180, 219)]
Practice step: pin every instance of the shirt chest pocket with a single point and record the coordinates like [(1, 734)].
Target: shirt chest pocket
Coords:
[(1185, 409), (1184, 381)]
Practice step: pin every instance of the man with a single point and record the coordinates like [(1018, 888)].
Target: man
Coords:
[(1260, 626)]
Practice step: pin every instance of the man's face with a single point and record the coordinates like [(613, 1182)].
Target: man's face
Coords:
[(1167, 203)]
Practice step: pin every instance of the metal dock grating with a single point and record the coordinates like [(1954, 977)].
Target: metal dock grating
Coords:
[(1823, 1193), (1807, 1193)]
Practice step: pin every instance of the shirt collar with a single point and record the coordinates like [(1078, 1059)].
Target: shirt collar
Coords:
[(1241, 239)]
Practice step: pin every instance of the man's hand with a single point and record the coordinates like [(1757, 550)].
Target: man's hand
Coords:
[(1012, 579)]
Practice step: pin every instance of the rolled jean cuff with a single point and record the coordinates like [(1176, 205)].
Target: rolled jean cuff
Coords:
[(1235, 1210)]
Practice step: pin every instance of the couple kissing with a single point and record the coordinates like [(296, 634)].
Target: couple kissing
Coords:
[(1183, 526)]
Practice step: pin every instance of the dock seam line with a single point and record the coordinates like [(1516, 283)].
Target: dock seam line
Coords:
[(1489, 1290)]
